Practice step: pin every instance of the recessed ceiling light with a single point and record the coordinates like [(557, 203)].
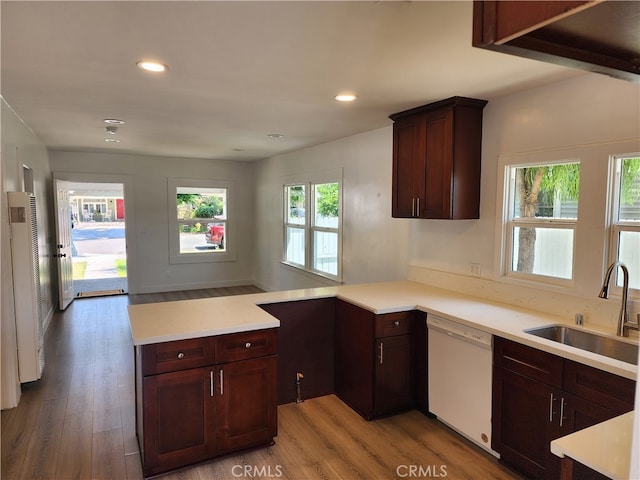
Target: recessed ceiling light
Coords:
[(112, 140), (113, 121), (345, 97), (151, 66), (275, 135)]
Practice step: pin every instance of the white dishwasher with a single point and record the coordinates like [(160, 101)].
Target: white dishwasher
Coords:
[(459, 379)]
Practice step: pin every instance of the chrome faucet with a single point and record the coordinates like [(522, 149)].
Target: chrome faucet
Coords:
[(623, 319)]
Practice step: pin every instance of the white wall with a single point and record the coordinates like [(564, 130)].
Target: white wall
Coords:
[(20, 146), (374, 244), (147, 202)]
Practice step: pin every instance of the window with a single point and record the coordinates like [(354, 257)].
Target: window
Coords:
[(625, 225), (200, 221), (542, 213), (312, 227)]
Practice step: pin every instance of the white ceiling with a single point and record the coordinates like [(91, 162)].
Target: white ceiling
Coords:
[(239, 71)]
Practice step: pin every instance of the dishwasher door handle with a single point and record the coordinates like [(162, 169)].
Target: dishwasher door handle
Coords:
[(486, 343)]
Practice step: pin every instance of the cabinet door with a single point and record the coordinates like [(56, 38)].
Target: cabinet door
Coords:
[(408, 165), (179, 419), (525, 419), (435, 199), (246, 393), (394, 388), (580, 413)]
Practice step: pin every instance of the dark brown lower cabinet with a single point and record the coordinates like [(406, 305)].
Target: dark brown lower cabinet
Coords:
[(179, 419), (377, 359), (245, 407), (394, 385), (522, 427), (538, 397), (186, 416)]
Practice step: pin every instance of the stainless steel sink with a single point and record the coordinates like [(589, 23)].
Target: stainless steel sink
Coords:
[(608, 346)]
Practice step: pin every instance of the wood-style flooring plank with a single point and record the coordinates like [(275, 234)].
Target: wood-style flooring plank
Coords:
[(74, 457), (108, 460), (42, 453)]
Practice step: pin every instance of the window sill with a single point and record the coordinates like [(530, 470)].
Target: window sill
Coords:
[(202, 258), (325, 279)]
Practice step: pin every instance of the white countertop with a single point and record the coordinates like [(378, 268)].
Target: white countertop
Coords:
[(166, 321), (604, 447)]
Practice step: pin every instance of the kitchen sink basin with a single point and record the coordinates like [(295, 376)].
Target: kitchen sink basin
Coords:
[(608, 346)]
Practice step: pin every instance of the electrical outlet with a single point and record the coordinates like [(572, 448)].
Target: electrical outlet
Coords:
[(475, 269)]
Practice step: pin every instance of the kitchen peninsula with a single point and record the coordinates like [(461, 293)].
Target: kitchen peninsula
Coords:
[(225, 317)]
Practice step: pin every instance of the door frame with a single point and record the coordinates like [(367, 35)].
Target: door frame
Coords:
[(129, 218)]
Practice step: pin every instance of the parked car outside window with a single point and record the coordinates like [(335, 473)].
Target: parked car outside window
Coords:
[(215, 234)]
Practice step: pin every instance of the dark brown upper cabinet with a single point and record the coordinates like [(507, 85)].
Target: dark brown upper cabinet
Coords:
[(598, 36), (436, 160)]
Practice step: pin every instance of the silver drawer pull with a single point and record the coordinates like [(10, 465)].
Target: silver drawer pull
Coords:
[(247, 345), (181, 355), (396, 323)]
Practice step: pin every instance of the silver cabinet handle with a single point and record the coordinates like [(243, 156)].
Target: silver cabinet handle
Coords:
[(418, 207), (396, 323), (381, 352), (221, 382), (562, 417), (181, 355), (551, 412), (413, 207), (247, 345), (211, 383)]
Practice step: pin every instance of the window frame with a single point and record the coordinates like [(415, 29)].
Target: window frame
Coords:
[(509, 224), (229, 252), (615, 225), (310, 182)]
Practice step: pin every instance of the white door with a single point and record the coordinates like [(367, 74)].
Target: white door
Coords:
[(63, 244)]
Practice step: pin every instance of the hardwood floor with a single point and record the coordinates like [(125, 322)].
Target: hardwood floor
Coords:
[(78, 421)]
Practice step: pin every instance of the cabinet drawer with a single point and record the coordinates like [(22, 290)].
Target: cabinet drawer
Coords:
[(177, 355), (240, 346), (530, 362), (392, 324), (603, 388)]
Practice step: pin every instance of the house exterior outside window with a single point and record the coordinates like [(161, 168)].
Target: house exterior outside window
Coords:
[(200, 220), (541, 219), (625, 216)]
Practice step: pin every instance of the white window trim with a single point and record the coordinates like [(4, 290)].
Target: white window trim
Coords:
[(229, 253), (505, 223), (592, 242), (615, 226), (309, 181)]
